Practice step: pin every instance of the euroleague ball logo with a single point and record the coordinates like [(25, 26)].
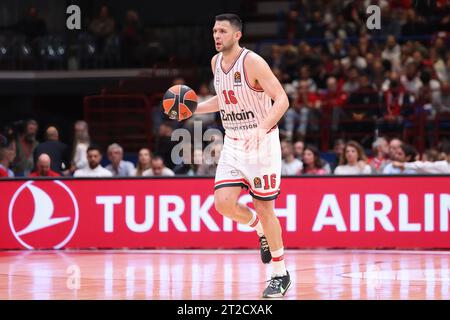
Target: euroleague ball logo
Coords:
[(43, 214)]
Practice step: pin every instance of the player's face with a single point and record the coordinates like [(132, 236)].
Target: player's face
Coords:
[(225, 36)]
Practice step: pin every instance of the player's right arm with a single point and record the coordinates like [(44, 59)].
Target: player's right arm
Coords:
[(212, 104)]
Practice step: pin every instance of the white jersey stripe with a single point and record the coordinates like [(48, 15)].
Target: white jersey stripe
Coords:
[(252, 105)]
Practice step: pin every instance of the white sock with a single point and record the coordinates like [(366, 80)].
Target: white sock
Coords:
[(279, 269), (256, 225)]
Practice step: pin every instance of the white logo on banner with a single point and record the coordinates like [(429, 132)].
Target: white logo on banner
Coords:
[(44, 211)]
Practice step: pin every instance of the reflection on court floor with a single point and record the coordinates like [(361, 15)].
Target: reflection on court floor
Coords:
[(134, 274)]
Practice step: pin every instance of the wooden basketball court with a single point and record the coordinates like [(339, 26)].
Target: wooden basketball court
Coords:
[(184, 274)]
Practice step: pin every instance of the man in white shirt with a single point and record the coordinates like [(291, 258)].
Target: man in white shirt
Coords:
[(158, 168), (437, 167), (118, 166), (94, 169)]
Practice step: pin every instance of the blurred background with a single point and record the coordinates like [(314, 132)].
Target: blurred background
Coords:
[(386, 90)]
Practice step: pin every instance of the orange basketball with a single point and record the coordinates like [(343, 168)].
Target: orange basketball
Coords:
[(180, 102)]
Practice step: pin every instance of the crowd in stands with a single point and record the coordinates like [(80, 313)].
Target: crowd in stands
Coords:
[(21, 155), (334, 69)]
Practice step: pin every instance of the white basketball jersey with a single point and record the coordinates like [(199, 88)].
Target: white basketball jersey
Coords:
[(242, 107)]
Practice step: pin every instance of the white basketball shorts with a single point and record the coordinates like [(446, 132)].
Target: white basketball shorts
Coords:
[(259, 170)]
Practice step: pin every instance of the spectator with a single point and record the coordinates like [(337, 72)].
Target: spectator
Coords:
[(354, 60), (392, 53), (297, 118), (338, 151), (56, 150), (43, 167), (80, 145), (353, 160), (312, 164), (380, 149), (333, 101), (164, 143), (299, 147), (24, 145), (32, 26), (131, 40), (94, 169), (394, 148), (7, 155), (144, 161), (363, 104), (158, 168), (425, 167), (431, 155), (290, 166), (410, 80), (352, 82), (406, 153), (102, 27), (118, 166)]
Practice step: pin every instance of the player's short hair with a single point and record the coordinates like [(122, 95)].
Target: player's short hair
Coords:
[(234, 19)]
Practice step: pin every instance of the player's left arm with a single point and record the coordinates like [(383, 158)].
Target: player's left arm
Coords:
[(258, 71)]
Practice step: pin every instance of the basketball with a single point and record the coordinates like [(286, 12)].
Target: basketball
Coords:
[(180, 102)]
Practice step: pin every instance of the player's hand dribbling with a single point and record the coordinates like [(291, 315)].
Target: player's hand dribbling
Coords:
[(254, 139)]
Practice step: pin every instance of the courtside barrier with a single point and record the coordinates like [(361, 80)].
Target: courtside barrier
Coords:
[(314, 212)]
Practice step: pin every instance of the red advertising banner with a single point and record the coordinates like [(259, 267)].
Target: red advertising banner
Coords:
[(315, 212)]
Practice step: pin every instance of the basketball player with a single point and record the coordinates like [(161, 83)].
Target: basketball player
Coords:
[(245, 86)]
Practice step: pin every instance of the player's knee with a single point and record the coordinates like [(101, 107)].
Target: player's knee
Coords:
[(224, 206), (264, 211)]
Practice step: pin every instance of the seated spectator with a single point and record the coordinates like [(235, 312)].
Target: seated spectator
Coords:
[(290, 166), (132, 40), (299, 147), (103, 26), (394, 148), (431, 155), (392, 53), (363, 104), (32, 25), (354, 60), (94, 169), (353, 160), (352, 82), (164, 143), (410, 80), (80, 145), (380, 149), (158, 168), (24, 145), (398, 102), (304, 112), (333, 101), (406, 153), (118, 166), (56, 150), (7, 155), (43, 167), (144, 162), (425, 167), (338, 151), (312, 164)]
